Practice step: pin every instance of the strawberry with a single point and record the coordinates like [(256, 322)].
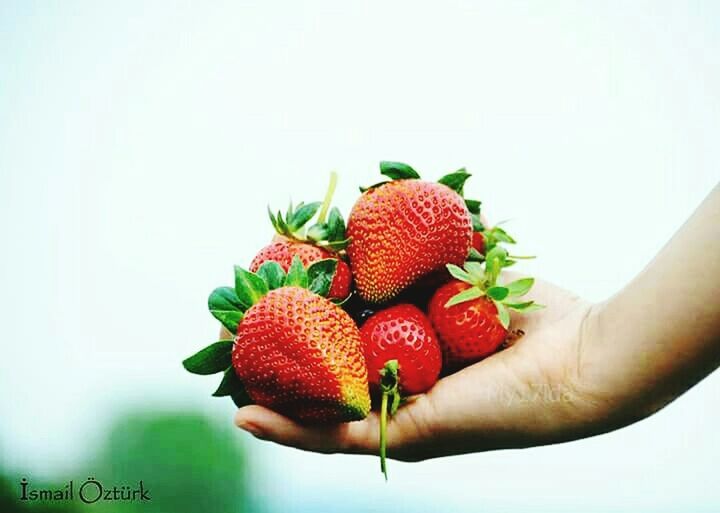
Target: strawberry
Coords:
[(406, 228), (325, 239), (402, 355), (282, 251), (471, 313), (294, 351)]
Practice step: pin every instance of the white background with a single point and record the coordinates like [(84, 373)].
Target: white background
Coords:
[(140, 143)]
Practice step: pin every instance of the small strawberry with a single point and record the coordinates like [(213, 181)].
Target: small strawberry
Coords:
[(295, 352), (406, 228), (403, 357), (323, 240), (471, 313)]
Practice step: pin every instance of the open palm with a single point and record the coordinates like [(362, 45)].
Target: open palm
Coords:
[(530, 393)]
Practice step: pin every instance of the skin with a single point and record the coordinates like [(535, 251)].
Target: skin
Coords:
[(580, 370)]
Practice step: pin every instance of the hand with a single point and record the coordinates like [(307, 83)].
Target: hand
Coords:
[(527, 394)]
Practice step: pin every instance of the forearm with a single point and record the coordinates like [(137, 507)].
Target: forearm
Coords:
[(661, 334)]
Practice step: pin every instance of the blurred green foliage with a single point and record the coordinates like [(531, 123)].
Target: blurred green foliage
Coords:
[(186, 461)]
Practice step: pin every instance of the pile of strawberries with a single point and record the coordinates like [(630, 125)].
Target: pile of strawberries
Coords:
[(329, 314)]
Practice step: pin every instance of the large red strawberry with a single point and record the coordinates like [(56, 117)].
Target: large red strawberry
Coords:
[(402, 356), (325, 239), (471, 313), (406, 228), (295, 351)]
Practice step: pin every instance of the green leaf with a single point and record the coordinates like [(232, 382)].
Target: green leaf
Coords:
[(520, 287), (501, 235), (337, 245), (249, 287), (458, 273), (226, 307), (283, 227), (296, 276), (214, 358), (473, 206), (477, 223), (373, 186), (318, 232), (397, 170), (241, 398), (503, 315), (273, 220), (320, 275), (272, 274), (497, 293), (456, 180), (475, 270), (528, 306), (465, 295), (230, 384), (475, 256), (302, 215), (335, 225)]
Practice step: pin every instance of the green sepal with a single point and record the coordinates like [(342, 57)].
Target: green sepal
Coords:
[(320, 275), (335, 245), (296, 275), (503, 314), (241, 398), (318, 232), (214, 358), (336, 225), (476, 272), (373, 186), (249, 287), (272, 274), (520, 287), (494, 262), (397, 170), (226, 307), (477, 224), (497, 293), (228, 384), (302, 215), (456, 181), (458, 273), (465, 295), (473, 206), (475, 256), (528, 306)]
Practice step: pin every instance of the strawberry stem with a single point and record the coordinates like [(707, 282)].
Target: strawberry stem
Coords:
[(328, 197), (389, 386), (383, 433)]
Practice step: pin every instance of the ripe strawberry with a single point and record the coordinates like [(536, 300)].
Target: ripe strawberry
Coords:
[(283, 251), (323, 240), (470, 313), (402, 355), (404, 229), (295, 351)]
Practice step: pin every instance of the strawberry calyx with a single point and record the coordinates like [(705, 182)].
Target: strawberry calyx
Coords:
[(483, 279), (328, 230), (228, 305), (390, 389)]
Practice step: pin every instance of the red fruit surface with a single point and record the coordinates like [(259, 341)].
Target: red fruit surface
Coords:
[(402, 333), (403, 230), (283, 250), (478, 242), (301, 355), (468, 331)]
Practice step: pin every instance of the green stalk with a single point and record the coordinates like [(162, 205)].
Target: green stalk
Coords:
[(383, 434), (389, 387), (328, 198)]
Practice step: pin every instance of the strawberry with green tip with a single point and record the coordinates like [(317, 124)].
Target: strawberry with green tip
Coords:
[(294, 351), (470, 313), (403, 357), (406, 228), (325, 239)]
